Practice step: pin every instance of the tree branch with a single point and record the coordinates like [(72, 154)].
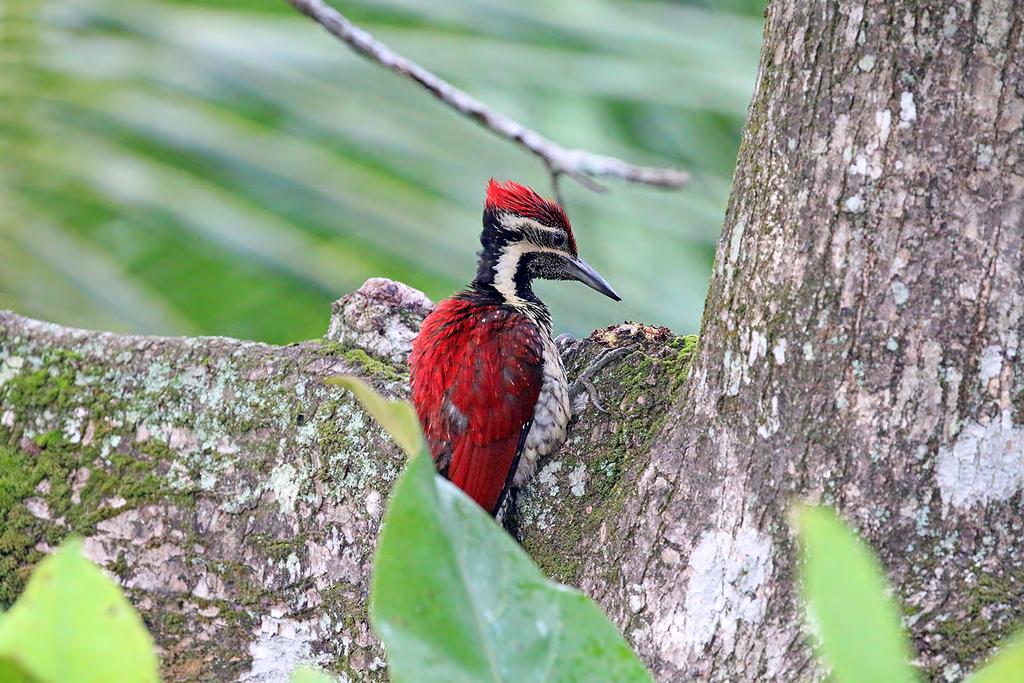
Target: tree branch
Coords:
[(237, 497), (580, 165)]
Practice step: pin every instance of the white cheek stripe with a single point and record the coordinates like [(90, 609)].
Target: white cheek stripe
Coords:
[(507, 265), (505, 272)]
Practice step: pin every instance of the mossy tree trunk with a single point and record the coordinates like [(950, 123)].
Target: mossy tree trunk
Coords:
[(861, 346)]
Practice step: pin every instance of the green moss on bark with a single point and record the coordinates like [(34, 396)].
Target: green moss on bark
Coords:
[(371, 365), (589, 479), (208, 469), (970, 635), (61, 481)]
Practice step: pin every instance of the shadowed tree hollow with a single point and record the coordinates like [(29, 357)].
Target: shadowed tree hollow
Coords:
[(860, 346)]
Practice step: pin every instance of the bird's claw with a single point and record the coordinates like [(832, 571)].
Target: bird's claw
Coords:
[(585, 381), (593, 394)]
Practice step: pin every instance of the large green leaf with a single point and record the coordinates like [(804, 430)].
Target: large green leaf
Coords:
[(1007, 666), (12, 672), (862, 639), (73, 625), (457, 601), (310, 674)]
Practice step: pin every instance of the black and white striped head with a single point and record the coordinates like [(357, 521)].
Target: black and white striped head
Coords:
[(527, 237)]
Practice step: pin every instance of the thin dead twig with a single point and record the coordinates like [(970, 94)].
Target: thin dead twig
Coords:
[(580, 165)]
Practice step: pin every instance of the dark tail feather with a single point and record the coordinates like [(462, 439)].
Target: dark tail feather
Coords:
[(515, 465), (509, 515)]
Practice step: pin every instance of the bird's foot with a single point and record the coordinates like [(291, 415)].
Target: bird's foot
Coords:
[(585, 382)]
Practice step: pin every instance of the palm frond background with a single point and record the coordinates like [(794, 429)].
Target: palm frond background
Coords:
[(225, 167)]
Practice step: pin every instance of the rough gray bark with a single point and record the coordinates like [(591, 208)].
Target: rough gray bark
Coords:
[(235, 496), (861, 346)]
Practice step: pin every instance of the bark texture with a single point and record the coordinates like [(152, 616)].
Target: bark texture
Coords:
[(237, 498), (861, 346)]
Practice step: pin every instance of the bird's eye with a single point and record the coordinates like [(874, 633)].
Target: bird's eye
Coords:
[(558, 239)]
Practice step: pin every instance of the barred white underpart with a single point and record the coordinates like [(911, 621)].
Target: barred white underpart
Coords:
[(550, 416)]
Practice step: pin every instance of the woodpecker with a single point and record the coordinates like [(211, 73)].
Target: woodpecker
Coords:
[(487, 378)]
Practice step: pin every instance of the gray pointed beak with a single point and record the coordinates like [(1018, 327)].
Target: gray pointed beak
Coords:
[(578, 269)]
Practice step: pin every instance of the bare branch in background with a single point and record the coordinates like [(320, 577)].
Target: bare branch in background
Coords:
[(580, 165)]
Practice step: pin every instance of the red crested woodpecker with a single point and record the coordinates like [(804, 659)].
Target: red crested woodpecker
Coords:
[(487, 378)]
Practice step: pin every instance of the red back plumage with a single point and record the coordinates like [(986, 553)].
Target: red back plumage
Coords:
[(523, 201), (476, 375)]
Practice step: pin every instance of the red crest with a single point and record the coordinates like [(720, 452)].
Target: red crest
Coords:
[(523, 201)]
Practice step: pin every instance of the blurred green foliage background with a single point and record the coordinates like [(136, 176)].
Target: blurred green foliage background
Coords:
[(225, 167)]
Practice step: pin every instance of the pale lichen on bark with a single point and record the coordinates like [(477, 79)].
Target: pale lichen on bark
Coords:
[(234, 495), (861, 346), (237, 497)]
